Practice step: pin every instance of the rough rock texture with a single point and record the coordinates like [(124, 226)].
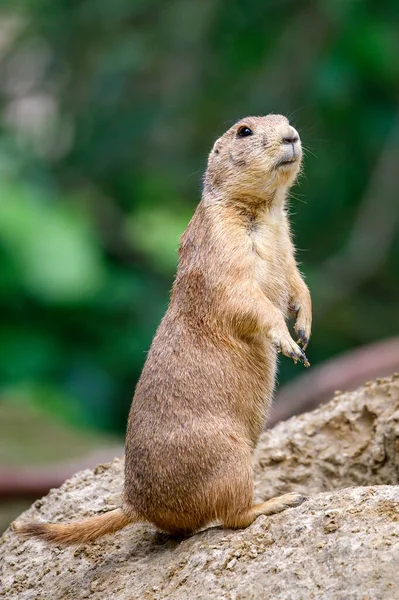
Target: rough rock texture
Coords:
[(351, 441), (339, 544)]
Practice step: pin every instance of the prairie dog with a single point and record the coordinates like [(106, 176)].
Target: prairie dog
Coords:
[(206, 386)]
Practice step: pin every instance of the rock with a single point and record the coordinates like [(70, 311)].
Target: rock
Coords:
[(351, 441), (342, 543)]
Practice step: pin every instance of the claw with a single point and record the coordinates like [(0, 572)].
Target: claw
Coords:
[(304, 359), (302, 339), (294, 357)]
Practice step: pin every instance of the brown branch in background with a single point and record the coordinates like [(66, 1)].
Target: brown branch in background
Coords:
[(33, 482), (345, 372)]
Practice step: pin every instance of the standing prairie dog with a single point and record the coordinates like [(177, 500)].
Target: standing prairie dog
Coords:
[(207, 384)]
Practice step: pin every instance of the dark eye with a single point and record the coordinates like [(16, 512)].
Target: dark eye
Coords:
[(244, 131)]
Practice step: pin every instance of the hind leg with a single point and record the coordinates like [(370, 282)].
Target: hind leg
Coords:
[(235, 493), (274, 505)]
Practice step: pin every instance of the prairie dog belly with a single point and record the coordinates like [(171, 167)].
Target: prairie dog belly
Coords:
[(271, 265)]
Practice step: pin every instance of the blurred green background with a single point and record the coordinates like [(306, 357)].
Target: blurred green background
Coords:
[(108, 111)]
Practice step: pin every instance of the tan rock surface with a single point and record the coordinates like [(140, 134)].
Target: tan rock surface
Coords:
[(340, 544)]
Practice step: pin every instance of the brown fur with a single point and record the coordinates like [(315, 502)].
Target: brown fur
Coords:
[(80, 532), (206, 387)]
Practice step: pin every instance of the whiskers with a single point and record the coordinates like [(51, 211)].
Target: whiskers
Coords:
[(306, 150)]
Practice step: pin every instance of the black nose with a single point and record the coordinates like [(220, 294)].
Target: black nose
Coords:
[(291, 138)]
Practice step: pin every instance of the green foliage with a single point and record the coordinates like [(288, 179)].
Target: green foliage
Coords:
[(108, 112), (49, 245)]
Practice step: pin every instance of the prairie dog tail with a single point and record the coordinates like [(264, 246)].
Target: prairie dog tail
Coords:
[(80, 532)]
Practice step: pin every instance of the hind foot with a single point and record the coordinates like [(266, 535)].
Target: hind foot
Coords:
[(271, 507)]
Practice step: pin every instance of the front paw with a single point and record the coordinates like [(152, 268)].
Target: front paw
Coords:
[(302, 329), (286, 345)]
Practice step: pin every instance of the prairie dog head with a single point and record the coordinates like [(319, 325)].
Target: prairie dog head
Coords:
[(254, 158)]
